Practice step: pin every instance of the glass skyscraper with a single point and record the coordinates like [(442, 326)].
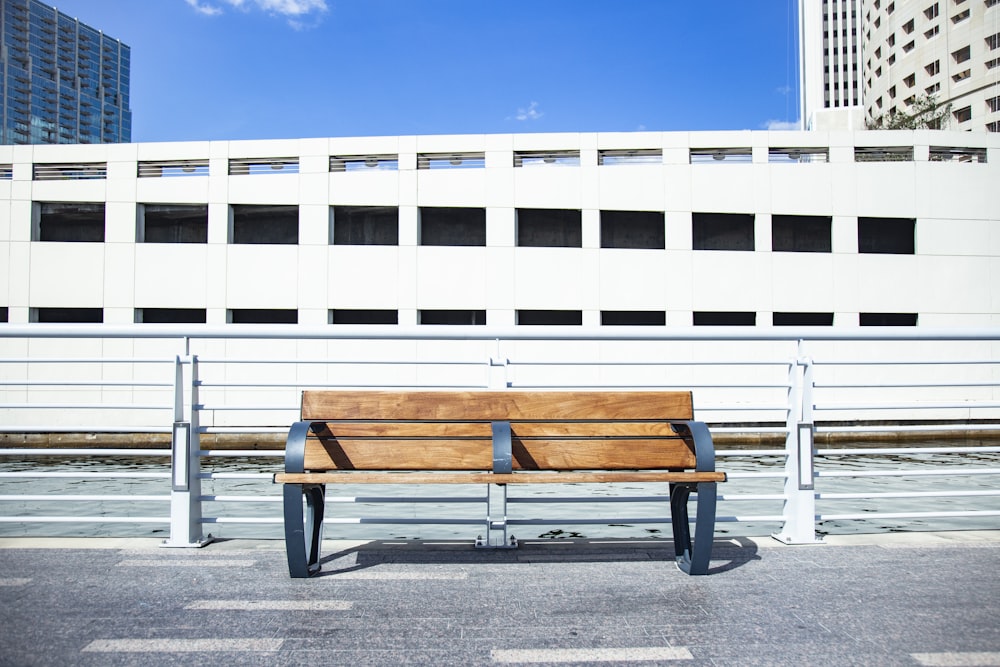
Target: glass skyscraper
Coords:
[(61, 81)]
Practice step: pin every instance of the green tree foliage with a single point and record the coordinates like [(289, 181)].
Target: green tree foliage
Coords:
[(924, 114)]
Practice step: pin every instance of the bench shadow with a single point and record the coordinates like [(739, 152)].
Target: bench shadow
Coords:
[(727, 553)]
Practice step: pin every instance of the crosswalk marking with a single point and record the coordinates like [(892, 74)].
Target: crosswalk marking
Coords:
[(399, 576), (958, 659), (14, 581), (193, 562), (271, 605), (632, 654), (182, 645)]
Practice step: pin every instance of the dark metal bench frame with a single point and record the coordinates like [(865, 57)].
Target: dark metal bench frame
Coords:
[(303, 524)]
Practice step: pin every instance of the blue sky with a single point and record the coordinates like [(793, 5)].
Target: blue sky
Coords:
[(262, 69)]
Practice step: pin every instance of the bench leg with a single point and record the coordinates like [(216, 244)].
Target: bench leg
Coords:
[(303, 528), (693, 559)]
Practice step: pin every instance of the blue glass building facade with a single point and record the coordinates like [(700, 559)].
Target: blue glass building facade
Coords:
[(61, 81)]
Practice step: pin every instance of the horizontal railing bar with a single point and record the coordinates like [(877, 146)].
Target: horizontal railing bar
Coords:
[(958, 472), (82, 360), (915, 428), (833, 363), (909, 385), (755, 475), (406, 499), (83, 406), (907, 515), (82, 498), (233, 519), (86, 475), (84, 383), (405, 521), (907, 450), (916, 405), (242, 452), (905, 494), (81, 451), (84, 519), (243, 429), (749, 452), (242, 499), (236, 475), (472, 332), (93, 429)]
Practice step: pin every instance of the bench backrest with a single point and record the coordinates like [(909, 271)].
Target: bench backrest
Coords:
[(453, 430)]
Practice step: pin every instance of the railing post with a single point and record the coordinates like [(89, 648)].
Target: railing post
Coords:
[(799, 510), (185, 468), (498, 377)]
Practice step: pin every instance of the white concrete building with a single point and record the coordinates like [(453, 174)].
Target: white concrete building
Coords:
[(666, 229), (830, 64), (946, 48)]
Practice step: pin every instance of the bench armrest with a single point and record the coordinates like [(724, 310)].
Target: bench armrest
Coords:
[(295, 447), (704, 449)]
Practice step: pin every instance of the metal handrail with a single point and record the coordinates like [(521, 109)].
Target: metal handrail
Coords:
[(788, 387)]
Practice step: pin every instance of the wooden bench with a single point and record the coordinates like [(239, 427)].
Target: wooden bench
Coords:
[(497, 438)]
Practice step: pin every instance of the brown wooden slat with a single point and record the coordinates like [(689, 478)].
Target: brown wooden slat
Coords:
[(397, 429), (528, 454), (491, 478), (495, 405)]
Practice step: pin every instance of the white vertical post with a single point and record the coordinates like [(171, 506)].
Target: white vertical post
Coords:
[(185, 486), (498, 378), (799, 510)]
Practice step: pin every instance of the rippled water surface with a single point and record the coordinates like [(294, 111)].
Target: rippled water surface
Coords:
[(257, 511)]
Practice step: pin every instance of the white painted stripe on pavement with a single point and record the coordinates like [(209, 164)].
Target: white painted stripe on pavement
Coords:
[(181, 645), (14, 581), (632, 654), (398, 576), (958, 659), (187, 562), (271, 605)]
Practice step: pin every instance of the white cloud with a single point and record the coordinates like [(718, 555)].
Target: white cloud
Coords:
[(207, 10), (781, 125), (531, 113), (291, 9)]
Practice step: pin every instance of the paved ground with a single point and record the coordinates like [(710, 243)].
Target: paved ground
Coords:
[(902, 599)]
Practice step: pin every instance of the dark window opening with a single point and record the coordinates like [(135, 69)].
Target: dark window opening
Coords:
[(453, 317), (263, 316), (886, 235), (549, 228), (365, 225), (803, 319), (633, 229), (630, 318), (722, 231), (800, 233), (71, 222), (265, 224), (724, 319), (171, 315), (4, 314), (175, 223), (550, 317), (888, 319), (357, 316), (70, 315), (445, 226)]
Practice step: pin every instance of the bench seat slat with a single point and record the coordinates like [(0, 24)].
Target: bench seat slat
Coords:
[(568, 477), (481, 429), (495, 405), (474, 454)]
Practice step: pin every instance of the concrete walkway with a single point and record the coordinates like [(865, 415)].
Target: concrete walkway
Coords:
[(898, 599)]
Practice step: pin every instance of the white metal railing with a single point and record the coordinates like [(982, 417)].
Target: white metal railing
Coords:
[(185, 386)]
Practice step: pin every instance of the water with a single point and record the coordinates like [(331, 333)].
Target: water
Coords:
[(261, 517)]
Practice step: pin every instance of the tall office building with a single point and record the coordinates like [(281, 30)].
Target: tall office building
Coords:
[(830, 65), (61, 81), (946, 48)]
